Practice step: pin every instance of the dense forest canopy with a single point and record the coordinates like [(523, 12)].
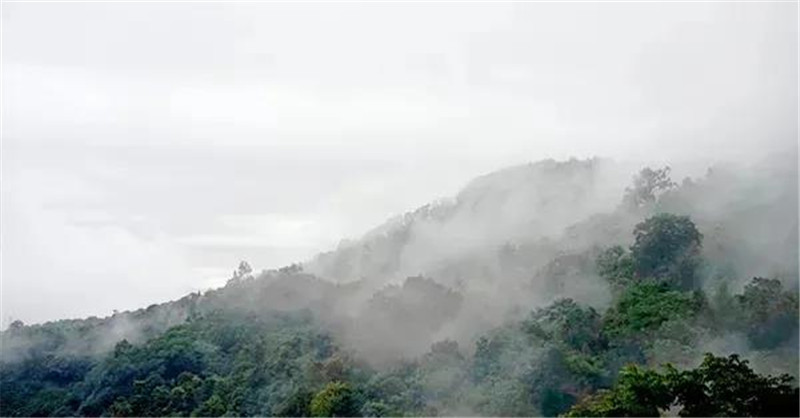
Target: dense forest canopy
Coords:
[(544, 289)]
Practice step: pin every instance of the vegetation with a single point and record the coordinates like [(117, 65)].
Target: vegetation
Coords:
[(643, 307), (667, 248), (720, 386), (647, 186), (279, 345)]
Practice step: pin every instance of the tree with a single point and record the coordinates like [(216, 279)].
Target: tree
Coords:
[(767, 313), (121, 408), (720, 386), (645, 306), (485, 361), (123, 347), (667, 248), (616, 266), (567, 322), (241, 272), (213, 407), (377, 409), (647, 185), (293, 268), (336, 399), (727, 386), (638, 393), (297, 405)]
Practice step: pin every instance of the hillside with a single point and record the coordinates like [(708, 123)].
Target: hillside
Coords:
[(536, 289)]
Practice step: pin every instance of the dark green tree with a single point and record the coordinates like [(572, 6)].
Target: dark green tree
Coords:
[(720, 386), (667, 248), (727, 386), (768, 313)]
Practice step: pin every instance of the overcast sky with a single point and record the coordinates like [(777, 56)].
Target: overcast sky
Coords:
[(147, 148)]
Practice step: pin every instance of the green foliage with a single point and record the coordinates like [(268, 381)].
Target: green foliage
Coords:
[(39, 386), (228, 364), (638, 393), (667, 248), (587, 369), (643, 307), (720, 386), (499, 396), (728, 387), (394, 392), (616, 266), (487, 352), (768, 313), (377, 409), (566, 321), (337, 399), (297, 405), (555, 402), (232, 356), (222, 364), (214, 406)]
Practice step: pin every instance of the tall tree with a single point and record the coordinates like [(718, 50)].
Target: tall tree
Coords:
[(667, 248), (647, 186)]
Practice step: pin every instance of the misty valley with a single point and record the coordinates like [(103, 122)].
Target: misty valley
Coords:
[(555, 288)]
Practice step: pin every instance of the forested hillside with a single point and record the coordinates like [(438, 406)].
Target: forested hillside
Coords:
[(555, 288)]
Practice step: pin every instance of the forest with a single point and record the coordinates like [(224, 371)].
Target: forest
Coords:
[(556, 288)]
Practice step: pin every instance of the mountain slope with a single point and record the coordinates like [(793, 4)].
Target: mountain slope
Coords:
[(492, 303)]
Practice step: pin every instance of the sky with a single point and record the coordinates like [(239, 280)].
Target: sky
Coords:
[(147, 148)]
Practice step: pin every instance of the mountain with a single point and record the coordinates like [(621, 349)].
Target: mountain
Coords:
[(519, 296), (517, 205)]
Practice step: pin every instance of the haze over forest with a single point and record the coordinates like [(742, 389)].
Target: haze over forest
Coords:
[(315, 210), (148, 148)]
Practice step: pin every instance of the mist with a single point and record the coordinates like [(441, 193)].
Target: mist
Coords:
[(416, 209), (148, 148)]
